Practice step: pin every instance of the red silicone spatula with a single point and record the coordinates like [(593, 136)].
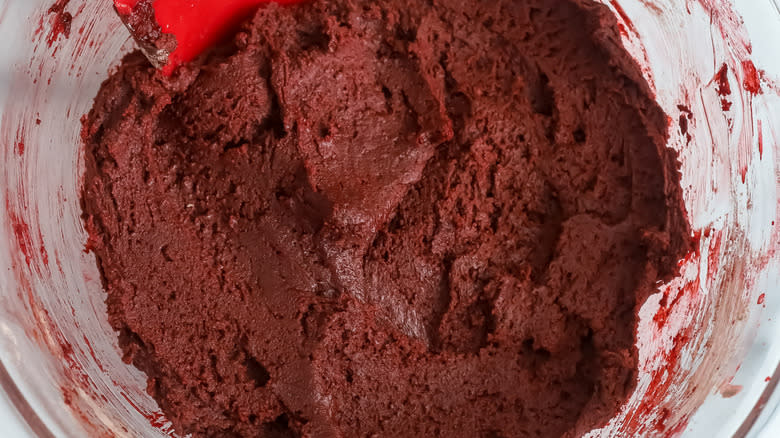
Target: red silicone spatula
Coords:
[(195, 25)]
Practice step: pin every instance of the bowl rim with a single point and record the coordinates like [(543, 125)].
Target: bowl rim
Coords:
[(23, 408)]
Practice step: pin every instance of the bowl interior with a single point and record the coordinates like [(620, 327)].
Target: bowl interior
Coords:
[(60, 354)]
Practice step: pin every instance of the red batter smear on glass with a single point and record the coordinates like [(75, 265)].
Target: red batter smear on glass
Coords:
[(61, 21)]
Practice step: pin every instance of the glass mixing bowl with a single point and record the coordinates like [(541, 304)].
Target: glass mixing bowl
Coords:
[(708, 341)]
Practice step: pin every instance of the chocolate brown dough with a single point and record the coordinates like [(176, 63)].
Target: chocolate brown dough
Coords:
[(386, 218)]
